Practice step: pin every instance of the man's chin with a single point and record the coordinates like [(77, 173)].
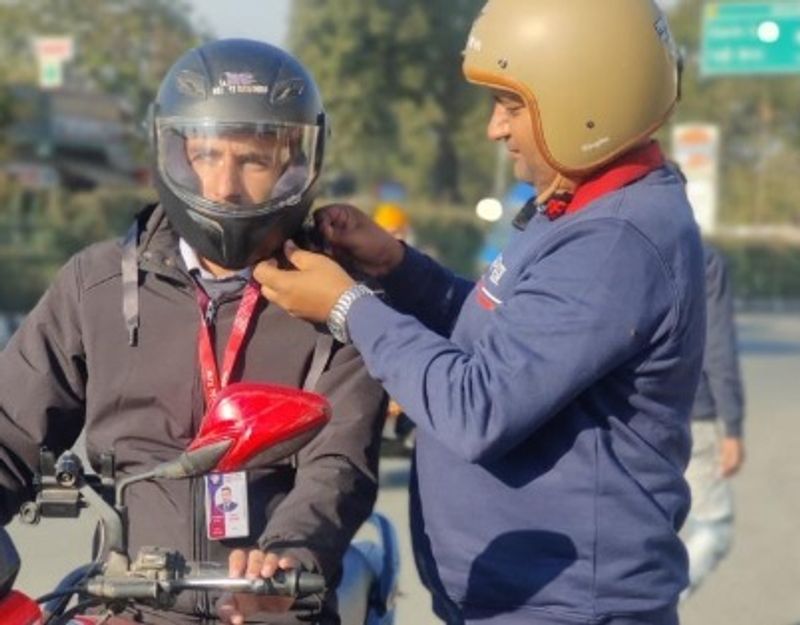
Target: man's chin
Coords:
[(521, 171)]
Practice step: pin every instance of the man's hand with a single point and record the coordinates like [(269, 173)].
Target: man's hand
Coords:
[(731, 455), (234, 608), (357, 241), (311, 291)]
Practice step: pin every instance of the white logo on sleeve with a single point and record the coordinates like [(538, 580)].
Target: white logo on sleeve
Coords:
[(496, 270)]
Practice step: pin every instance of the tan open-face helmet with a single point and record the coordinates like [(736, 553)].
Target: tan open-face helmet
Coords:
[(598, 76)]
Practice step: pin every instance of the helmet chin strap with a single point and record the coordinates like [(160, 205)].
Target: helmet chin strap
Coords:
[(562, 188)]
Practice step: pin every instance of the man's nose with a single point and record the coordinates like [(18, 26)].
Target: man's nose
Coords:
[(497, 128), (227, 184)]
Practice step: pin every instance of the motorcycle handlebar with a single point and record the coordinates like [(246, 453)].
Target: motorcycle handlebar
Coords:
[(292, 583), (295, 584)]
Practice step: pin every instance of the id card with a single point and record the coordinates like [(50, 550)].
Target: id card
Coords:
[(226, 505)]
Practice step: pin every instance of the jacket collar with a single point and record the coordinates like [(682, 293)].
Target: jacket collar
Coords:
[(158, 246), (626, 170)]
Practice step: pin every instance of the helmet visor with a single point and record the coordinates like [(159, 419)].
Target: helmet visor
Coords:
[(229, 167)]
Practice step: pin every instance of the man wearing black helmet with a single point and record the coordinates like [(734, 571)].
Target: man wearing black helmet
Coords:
[(126, 343)]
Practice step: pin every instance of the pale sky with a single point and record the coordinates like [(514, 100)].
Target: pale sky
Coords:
[(266, 20)]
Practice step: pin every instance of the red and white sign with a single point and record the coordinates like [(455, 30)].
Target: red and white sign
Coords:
[(52, 52), (695, 147), (54, 48)]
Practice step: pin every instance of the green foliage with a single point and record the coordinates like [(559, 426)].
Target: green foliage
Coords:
[(762, 270), (759, 129), (84, 218), (401, 110), (27, 278), (40, 230), (122, 47), (390, 74), (452, 234)]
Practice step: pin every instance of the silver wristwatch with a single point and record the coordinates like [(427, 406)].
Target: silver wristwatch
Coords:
[(337, 319)]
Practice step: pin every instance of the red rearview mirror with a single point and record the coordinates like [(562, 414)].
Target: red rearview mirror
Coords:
[(254, 424)]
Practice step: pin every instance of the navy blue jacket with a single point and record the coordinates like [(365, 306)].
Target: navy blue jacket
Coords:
[(720, 394), (552, 401)]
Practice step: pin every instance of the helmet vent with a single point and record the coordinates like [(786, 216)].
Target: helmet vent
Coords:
[(287, 90), (502, 63), (590, 124), (192, 84)]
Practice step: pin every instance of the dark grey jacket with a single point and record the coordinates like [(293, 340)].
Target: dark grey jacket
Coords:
[(70, 367), (720, 394)]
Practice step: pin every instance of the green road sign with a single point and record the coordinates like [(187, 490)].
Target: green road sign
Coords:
[(50, 74), (750, 38)]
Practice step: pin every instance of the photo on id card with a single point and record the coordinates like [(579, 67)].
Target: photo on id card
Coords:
[(226, 505)]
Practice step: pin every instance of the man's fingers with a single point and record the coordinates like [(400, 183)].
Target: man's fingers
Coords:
[(731, 466), (273, 563), (335, 215), (270, 565), (237, 563), (269, 294), (267, 274), (228, 610), (335, 221), (255, 562), (323, 218), (233, 608), (288, 562), (301, 259), (272, 282)]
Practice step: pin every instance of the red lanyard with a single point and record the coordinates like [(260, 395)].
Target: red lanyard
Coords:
[(212, 382)]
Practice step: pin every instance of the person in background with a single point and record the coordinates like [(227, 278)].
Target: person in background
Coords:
[(552, 397), (395, 220), (717, 430)]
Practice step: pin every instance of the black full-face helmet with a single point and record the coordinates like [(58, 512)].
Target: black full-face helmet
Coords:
[(239, 132)]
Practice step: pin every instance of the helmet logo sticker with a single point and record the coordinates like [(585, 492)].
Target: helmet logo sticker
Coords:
[(233, 83), (192, 84), (595, 145)]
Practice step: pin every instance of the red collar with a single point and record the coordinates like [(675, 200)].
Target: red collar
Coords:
[(629, 168)]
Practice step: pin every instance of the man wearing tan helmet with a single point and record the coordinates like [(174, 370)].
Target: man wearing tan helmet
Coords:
[(552, 397)]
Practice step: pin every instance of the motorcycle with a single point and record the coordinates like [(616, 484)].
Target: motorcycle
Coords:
[(249, 424)]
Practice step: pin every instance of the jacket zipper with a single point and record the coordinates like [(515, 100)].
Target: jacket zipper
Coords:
[(211, 312)]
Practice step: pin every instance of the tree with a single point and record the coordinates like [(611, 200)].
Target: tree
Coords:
[(390, 73), (122, 47), (759, 129)]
